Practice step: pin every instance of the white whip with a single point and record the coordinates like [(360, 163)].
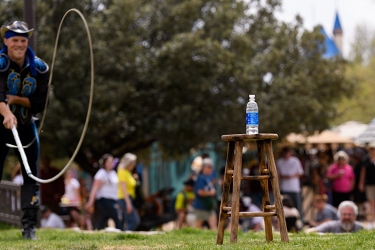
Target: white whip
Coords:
[(22, 152)]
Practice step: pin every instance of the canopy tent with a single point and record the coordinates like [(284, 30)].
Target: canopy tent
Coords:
[(350, 129), (327, 136), (368, 135)]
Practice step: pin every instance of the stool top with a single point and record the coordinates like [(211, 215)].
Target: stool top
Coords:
[(246, 137)]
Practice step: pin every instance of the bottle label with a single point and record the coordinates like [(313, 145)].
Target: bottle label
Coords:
[(251, 118)]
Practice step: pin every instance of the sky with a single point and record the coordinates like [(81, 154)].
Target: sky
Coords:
[(351, 13)]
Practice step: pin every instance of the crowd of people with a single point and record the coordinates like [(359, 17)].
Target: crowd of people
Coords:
[(112, 194), (341, 181), (335, 178), (112, 197), (109, 196)]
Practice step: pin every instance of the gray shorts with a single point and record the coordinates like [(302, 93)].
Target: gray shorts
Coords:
[(370, 192), (203, 214)]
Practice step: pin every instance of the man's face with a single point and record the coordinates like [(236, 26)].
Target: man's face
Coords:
[(45, 214), (189, 187), (17, 46), (207, 170), (319, 205), (347, 218), (287, 154)]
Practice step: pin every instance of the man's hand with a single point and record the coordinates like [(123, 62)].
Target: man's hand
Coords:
[(9, 120)]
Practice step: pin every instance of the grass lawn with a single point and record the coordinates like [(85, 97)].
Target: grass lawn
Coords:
[(10, 238)]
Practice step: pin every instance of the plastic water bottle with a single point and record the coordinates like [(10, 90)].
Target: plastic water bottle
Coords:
[(252, 116)]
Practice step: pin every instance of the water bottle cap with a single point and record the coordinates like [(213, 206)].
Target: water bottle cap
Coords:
[(252, 97)]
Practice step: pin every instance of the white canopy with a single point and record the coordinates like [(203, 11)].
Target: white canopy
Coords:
[(327, 136), (350, 129), (368, 135)]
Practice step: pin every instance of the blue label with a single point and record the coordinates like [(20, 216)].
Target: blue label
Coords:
[(252, 118)]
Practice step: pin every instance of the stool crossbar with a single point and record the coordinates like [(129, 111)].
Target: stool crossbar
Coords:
[(233, 176)]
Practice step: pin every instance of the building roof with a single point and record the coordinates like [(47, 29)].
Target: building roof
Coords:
[(331, 48)]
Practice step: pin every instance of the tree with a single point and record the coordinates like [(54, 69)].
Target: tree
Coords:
[(360, 106), (179, 73), (363, 47)]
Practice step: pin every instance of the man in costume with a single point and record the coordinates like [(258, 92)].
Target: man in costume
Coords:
[(23, 92)]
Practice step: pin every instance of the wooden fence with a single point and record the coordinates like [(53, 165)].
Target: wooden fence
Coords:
[(10, 203)]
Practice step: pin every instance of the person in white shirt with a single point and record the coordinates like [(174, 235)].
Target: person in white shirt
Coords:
[(72, 193), (289, 169), (50, 219), (104, 193), (71, 200)]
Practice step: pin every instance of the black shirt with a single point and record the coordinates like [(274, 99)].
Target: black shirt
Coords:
[(18, 81)]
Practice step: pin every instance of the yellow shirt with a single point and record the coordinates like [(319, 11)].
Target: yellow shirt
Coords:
[(124, 175), (180, 200)]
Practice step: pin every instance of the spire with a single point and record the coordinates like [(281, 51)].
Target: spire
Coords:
[(337, 33), (337, 26)]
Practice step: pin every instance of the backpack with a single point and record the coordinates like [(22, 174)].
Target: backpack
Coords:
[(173, 203)]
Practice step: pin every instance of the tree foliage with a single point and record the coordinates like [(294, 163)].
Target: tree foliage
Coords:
[(179, 72), (360, 105), (363, 47)]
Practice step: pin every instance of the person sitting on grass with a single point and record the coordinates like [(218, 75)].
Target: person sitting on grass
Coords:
[(50, 219), (325, 211), (254, 223), (347, 223)]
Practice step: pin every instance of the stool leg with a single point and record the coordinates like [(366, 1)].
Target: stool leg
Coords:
[(237, 175), (223, 215), (265, 192), (276, 193)]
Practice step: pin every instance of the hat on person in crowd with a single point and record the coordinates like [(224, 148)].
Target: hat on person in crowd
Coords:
[(19, 28), (207, 162), (189, 182)]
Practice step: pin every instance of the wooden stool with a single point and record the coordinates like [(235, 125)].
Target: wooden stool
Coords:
[(233, 172)]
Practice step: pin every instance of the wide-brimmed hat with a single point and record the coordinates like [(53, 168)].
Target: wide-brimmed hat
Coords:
[(17, 27)]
